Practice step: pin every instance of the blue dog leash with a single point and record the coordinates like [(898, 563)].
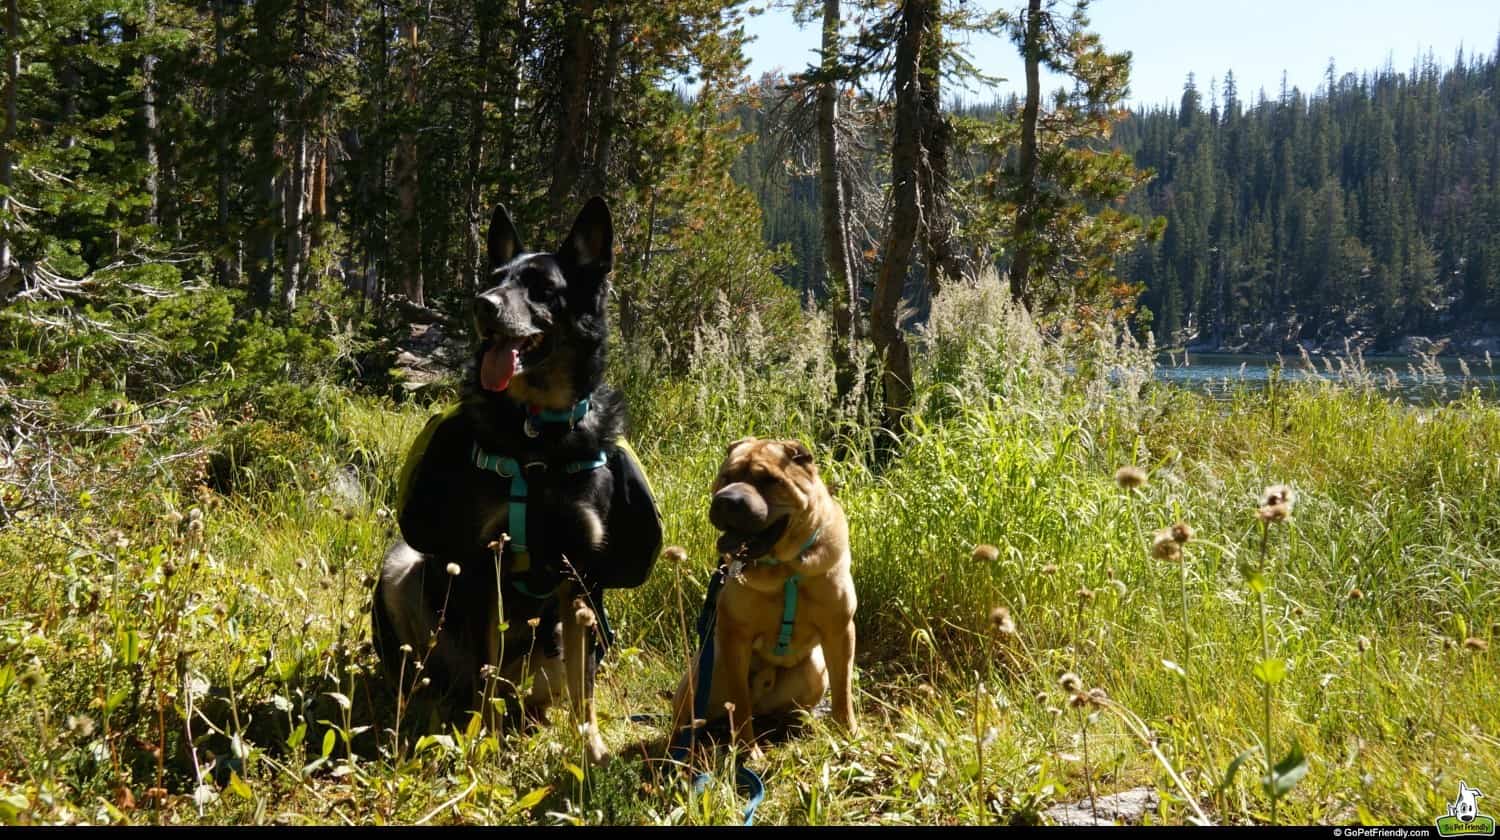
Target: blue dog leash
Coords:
[(748, 781)]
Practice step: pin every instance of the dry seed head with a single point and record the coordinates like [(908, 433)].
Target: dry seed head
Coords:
[(1130, 478), (1476, 644), (426, 681), (1363, 643), (80, 725), (1085, 594), (1041, 698), (1097, 696), (1164, 546), (1278, 494), (729, 706), (985, 553), (675, 554), (1449, 644), (454, 569), (1271, 514), (1054, 711), (1079, 700), (194, 514), (1049, 569), (1070, 682), (1182, 533), (406, 648), (172, 518), (926, 690), (1356, 594), (1002, 621), (584, 616), (533, 623)]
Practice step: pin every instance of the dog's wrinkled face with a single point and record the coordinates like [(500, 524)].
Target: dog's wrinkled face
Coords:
[(763, 487), (537, 299)]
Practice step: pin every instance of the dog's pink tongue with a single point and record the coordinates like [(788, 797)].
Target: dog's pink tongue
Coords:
[(498, 366)]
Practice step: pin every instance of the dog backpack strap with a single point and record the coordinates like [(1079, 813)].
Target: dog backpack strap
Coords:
[(633, 525)]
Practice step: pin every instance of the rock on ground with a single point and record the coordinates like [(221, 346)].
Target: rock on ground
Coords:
[(1124, 808)]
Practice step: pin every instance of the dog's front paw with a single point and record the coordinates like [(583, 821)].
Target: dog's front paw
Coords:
[(846, 719), (593, 747)]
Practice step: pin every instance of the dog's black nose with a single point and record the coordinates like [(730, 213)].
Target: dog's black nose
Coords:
[(737, 508)]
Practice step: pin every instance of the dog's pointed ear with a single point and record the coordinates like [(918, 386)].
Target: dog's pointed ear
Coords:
[(799, 453), (503, 241), (591, 242)]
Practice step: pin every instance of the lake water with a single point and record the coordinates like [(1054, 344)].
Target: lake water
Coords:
[(1219, 373)]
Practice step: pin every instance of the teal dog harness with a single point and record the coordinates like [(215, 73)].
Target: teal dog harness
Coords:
[(514, 472)]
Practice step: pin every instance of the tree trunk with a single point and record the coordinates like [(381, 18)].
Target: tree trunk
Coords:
[(842, 295), (294, 204), (263, 144), (148, 116), (576, 63), (294, 197), (222, 268), (604, 143), (474, 257), (1024, 234), (317, 196), (7, 154), (409, 238), (937, 217), (906, 152), (510, 99)]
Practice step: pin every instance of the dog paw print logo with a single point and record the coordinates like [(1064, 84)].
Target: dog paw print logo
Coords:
[(1463, 818)]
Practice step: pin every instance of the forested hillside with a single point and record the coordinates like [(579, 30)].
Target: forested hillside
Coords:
[(1367, 210)]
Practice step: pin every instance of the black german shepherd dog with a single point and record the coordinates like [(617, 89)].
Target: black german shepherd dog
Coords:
[(520, 505)]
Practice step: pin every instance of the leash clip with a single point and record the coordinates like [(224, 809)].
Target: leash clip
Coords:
[(529, 427)]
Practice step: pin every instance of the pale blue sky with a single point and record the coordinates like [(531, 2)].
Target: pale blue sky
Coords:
[(1257, 40)]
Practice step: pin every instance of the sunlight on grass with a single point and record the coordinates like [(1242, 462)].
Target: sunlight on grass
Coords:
[(126, 627)]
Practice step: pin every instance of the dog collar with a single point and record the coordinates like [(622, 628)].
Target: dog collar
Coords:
[(536, 415), (770, 559)]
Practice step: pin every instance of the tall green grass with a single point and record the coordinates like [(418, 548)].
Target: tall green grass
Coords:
[(1382, 600)]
